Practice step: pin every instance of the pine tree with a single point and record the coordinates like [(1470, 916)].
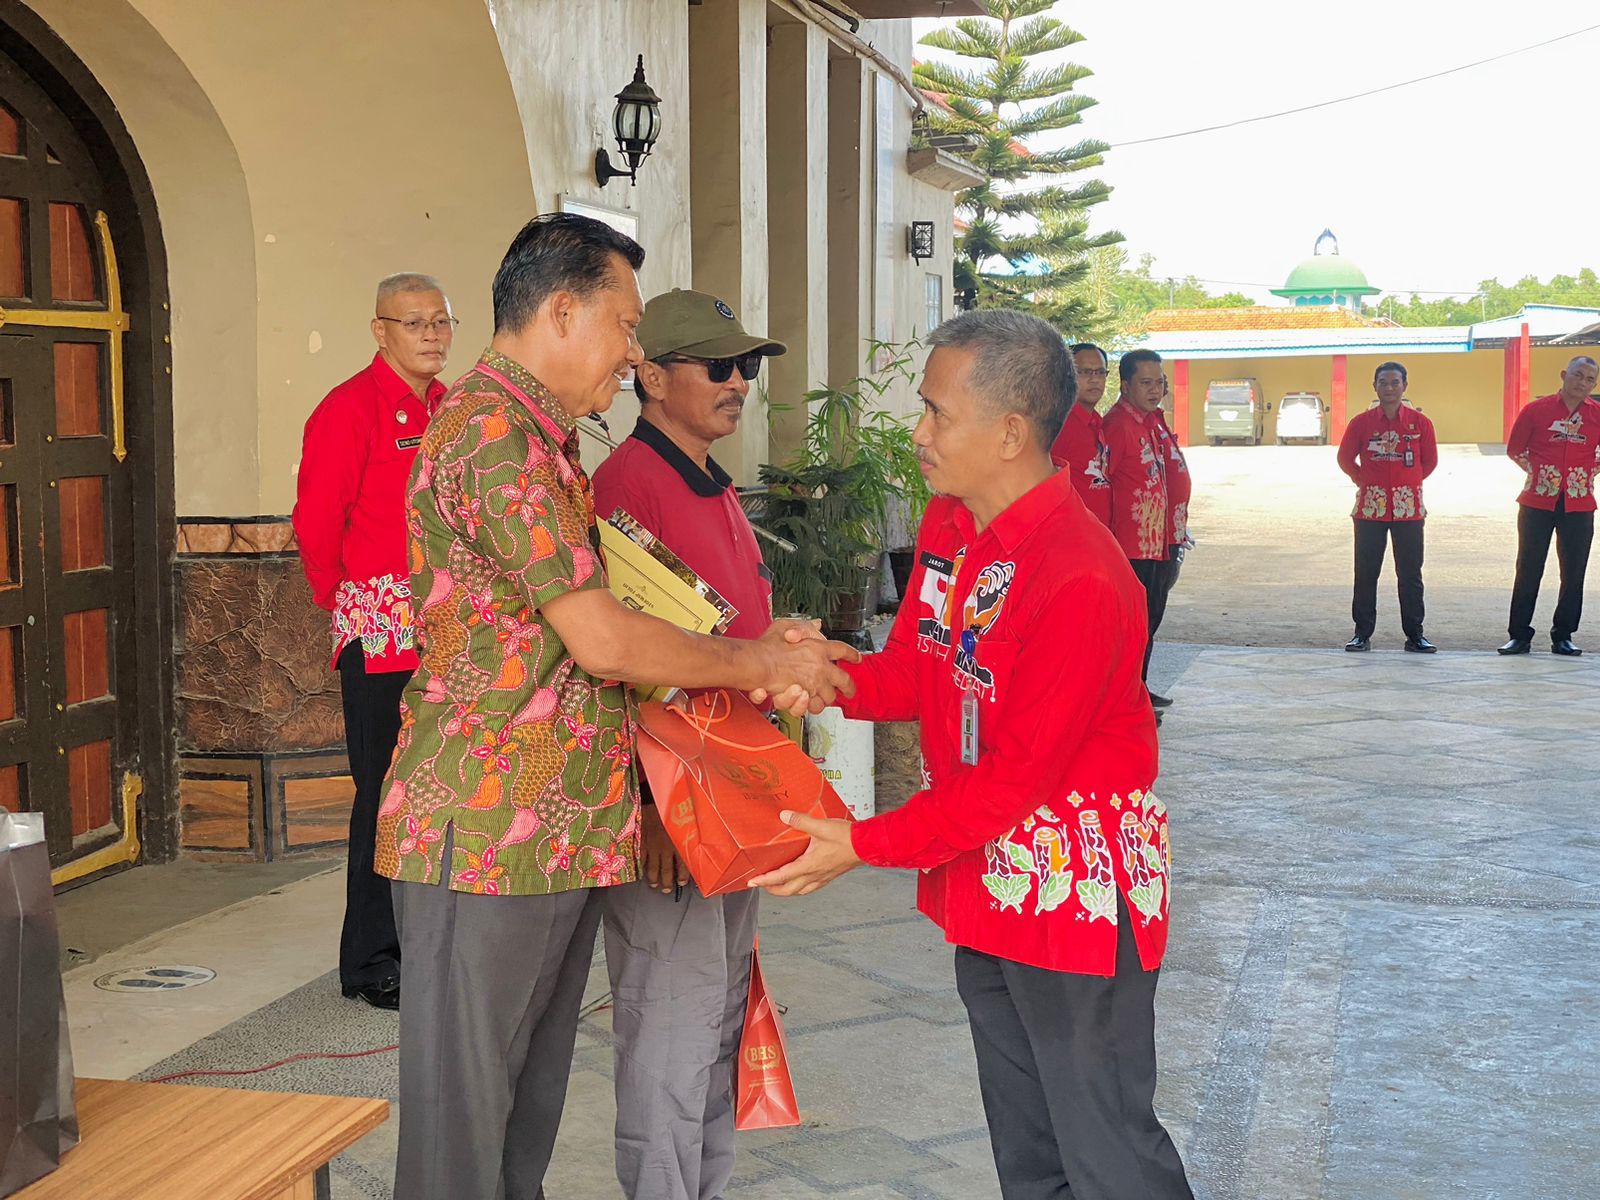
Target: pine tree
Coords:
[(1037, 227)]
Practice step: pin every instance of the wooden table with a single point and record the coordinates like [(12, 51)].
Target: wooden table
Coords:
[(142, 1141)]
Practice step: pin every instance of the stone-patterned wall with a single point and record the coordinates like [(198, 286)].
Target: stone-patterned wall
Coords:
[(261, 760)]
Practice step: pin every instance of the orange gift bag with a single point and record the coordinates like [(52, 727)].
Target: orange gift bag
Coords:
[(721, 774), (763, 1090)]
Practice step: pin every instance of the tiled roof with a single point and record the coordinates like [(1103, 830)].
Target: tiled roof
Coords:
[(1196, 320)]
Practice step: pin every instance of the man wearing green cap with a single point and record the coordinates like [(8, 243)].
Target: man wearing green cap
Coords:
[(680, 962)]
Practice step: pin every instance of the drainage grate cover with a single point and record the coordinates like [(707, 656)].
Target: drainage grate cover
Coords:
[(154, 979)]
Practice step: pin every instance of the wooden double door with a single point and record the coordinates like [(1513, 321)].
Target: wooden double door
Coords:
[(69, 675)]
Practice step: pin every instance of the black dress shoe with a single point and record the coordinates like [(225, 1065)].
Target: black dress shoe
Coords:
[(1516, 646), (1421, 645), (1157, 701), (1565, 646), (1357, 644), (383, 994)]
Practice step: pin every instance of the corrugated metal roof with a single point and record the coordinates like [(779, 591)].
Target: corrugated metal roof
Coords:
[(1543, 321), (1261, 316)]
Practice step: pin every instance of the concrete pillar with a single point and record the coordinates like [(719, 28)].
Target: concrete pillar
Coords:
[(849, 222), (728, 182), (797, 208)]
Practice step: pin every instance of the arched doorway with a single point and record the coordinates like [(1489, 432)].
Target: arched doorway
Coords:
[(84, 572)]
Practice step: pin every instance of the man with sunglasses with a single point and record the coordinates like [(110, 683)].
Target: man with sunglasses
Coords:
[(350, 522), (680, 962)]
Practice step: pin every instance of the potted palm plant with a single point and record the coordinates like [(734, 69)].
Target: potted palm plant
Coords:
[(842, 496)]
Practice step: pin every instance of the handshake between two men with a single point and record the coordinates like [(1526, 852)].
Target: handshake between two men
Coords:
[(791, 663)]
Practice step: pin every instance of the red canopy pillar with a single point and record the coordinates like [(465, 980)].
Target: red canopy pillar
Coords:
[(1180, 400), (1336, 398), (1517, 382)]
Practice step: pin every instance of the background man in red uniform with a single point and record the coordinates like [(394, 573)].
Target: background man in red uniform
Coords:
[(1136, 464), (1388, 451), (350, 522), (1079, 450), (680, 962), (1556, 440), (1043, 854)]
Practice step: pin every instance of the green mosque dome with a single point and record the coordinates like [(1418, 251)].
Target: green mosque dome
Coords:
[(1327, 277)]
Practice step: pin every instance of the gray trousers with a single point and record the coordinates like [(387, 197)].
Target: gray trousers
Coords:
[(487, 1025), (680, 977)]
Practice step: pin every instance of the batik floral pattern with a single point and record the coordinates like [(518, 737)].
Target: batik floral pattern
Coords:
[(1579, 481), (1054, 861), (1374, 505), (504, 738), (377, 613), (1548, 480), (1405, 503)]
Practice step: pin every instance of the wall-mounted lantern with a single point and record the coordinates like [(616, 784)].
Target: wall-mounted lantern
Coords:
[(636, 122), (919, 240)]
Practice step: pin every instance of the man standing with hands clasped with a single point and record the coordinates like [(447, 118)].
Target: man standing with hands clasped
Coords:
[(1042, 852), (350, 523), (1388, 451), (1556, 440)]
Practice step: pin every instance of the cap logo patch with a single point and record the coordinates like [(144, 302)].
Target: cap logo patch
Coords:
[(724, 310)]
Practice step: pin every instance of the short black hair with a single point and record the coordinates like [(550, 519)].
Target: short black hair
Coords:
[(552, 253), (1391, 366), (1076, 346), (1131, 360), (1020, 364)]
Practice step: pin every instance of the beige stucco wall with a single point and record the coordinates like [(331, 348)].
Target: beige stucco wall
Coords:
[(566, 63), (291, 172)]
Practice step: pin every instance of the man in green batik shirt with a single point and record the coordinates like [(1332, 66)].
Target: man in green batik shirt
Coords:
[(512, 783)]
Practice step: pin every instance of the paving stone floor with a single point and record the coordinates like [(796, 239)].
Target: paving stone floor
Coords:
[(1380, 984)]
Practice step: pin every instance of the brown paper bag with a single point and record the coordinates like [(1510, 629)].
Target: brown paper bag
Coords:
[(763, 1090), (38, 1122)]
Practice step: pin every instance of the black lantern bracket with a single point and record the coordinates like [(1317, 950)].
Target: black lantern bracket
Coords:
[(919, 240), (636, 123)]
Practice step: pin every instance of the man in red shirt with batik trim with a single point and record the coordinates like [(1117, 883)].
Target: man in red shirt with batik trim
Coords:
[(679, 962), (1388, 451), (1079, 450), (350, 523), (1043, 852), (1136, 464), (1556, 440)]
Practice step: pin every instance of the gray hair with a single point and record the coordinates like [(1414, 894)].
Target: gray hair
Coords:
[(1585, 359), (1020, 364), (407, 281)]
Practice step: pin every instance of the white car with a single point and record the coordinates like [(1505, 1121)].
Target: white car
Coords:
[(1302, 417)]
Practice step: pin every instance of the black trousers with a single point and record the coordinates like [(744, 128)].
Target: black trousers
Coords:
[(369, 948), (1574, 531), (1157, 575), (1067, 1067), (1372, 539)]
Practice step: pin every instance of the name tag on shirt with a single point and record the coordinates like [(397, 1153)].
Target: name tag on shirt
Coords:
[(410, 443), (969, 727)]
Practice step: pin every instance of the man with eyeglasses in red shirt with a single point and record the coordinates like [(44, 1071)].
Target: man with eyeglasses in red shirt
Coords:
[(1079, 450), (350, 523)]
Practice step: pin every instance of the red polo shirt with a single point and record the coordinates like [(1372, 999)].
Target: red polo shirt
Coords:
[(1024, 854), (350, 510), (1080, 452), (696, 513), (1136, 465), (1559, 450), (1373, 453)]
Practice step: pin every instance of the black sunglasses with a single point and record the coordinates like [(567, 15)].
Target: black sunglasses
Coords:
[(720, 370)]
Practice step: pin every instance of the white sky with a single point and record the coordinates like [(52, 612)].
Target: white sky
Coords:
[(1492, 172)]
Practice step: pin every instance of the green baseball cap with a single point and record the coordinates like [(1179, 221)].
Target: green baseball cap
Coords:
[(699, 326)]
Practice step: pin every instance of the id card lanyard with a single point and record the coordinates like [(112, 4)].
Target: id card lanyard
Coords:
[(969, 704)]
